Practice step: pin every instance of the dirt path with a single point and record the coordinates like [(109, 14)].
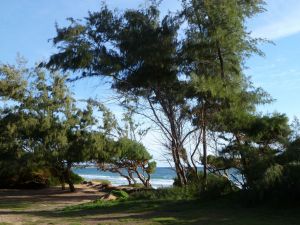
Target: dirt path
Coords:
[(28, 206)]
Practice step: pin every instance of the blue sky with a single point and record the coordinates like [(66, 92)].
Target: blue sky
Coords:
[(27, 25)]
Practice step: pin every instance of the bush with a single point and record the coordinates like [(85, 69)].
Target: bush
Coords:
[(120, 194), (76, 179), (216, 185), (280, 184), (53, 181), (170, 193), (291, 181), (24, 177), (34, 180)]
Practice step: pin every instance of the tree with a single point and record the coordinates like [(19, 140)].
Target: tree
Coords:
[(106, 46), (214, 52), (181, 83), (253, 147), (16, 159), (64, 131), (121, 151), (128, 158), (41, 127), (44, 129)]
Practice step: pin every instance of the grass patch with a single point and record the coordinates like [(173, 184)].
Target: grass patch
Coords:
[(14, 205), (164, 219), (98, 204), (164, 212)]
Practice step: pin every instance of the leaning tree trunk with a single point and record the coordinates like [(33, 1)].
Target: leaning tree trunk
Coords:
[(145, 181), (68, 178), (128, 178), (130, 174)]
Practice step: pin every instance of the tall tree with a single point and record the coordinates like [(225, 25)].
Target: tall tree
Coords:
[(64, 132), (106, 45), (215, 48), (181, 81)]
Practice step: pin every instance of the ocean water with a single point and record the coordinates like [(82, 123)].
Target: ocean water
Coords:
[(163, 176)]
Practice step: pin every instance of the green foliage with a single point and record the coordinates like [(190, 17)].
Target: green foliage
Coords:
[(272, 176), (255, 148), (41, 129), (127, 157), (172, 193), (120, 194), (292, 153), (193, 85), (132, 150), (54, 181), (291, 181), (76, 179), (216, 185), (91, 205), (278, 178), (186, 81)]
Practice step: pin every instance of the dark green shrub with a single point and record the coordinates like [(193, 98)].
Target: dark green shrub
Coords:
[(76, 179), (120, 194), (171, 193), (289, 187), (216, 185), (280, 184), (53, 181)]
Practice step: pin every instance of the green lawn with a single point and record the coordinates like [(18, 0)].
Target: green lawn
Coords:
[(186, 212), (146, 212)]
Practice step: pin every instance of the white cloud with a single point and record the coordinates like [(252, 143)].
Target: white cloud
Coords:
[(282, 19)]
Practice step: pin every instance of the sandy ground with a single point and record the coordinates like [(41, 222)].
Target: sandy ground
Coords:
[(29, 206)]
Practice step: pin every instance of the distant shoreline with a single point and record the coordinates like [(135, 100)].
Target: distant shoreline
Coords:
[(162, 177)]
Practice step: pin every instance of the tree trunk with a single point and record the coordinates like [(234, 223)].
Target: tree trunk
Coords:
[(122, 175), (68, 178), (129, 180), (62, 182), (204, 160), (71, 187), (145, 181), (131, 177), (178, 167)]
